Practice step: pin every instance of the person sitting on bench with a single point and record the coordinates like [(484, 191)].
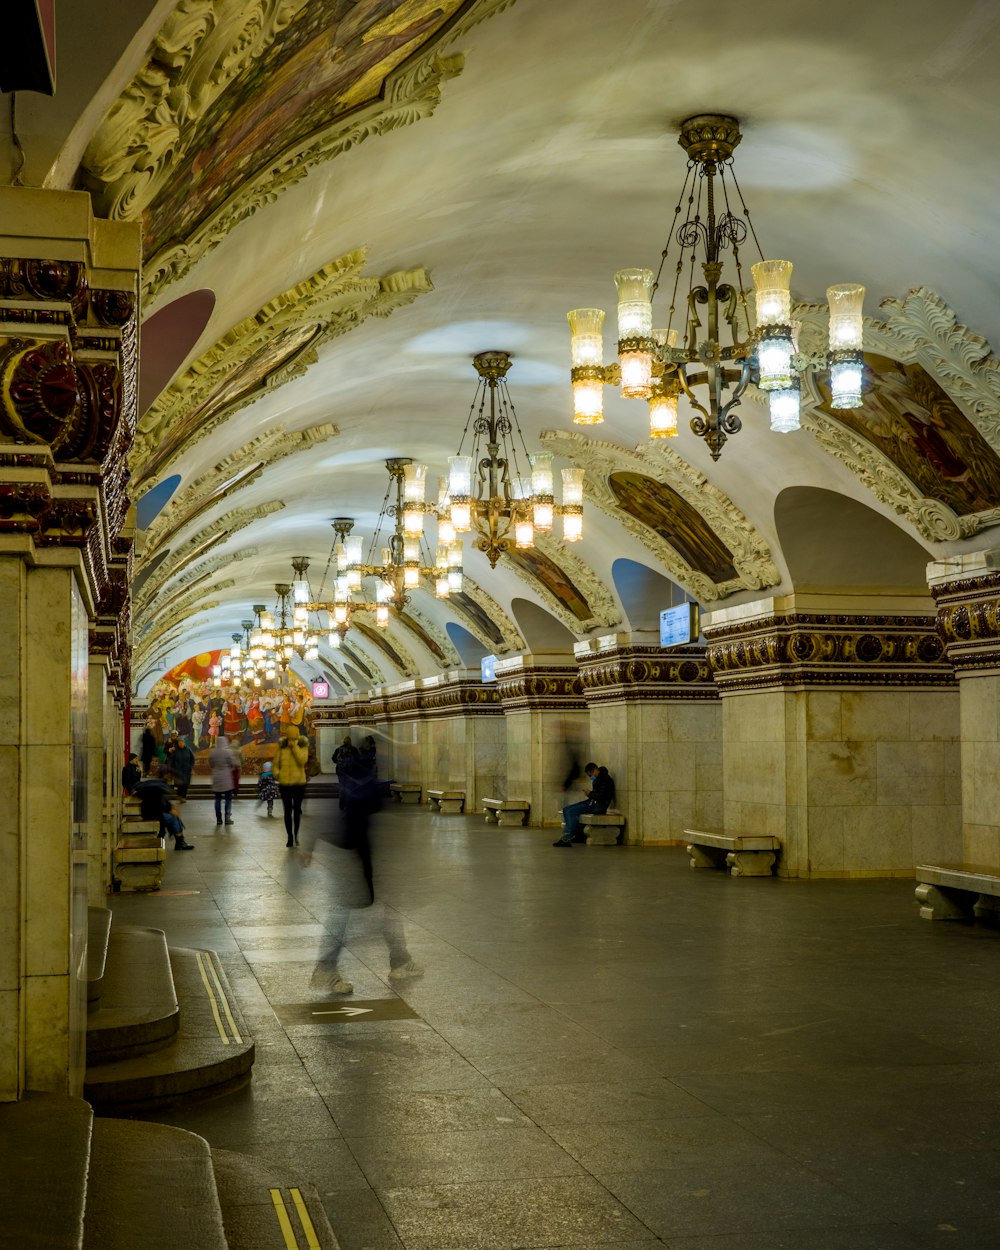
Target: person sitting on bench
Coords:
[(599, 798)]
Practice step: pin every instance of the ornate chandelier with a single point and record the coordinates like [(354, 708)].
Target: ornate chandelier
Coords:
[(246, 663), (398, 572), (488, 493), (660, 365)]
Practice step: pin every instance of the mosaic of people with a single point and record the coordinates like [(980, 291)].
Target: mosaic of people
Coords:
[(331, 59), (910, 419), (185, 702), (538, 565), (678, 523)]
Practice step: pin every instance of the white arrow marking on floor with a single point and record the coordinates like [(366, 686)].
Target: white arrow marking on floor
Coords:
[(346, 1011)]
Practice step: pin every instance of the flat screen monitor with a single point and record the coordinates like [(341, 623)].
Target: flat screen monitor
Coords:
[(679, 625)]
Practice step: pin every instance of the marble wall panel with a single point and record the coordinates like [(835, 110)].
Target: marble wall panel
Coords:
[(10, 1048)]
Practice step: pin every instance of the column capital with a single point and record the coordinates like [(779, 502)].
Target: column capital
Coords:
[(778, 645), (967, 592), (615, 670), (530, 683)]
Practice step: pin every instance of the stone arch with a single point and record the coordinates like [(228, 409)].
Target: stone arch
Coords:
[(543, 633), (829, 539), (468, 645), (644, 593)]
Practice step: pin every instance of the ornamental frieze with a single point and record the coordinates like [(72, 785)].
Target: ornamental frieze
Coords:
[(806, 649), (466, 698), (968, 620), (644, 673), (541, 689)]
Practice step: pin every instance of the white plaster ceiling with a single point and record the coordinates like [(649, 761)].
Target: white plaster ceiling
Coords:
[(551, 161)]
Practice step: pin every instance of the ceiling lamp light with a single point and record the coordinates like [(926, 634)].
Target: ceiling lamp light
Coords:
[(654, 366), (501, 508)]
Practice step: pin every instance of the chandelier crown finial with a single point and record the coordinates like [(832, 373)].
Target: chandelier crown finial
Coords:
[(492, 365), (710, 137)]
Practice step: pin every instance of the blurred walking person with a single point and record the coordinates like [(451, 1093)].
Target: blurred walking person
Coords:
[(222, 762)]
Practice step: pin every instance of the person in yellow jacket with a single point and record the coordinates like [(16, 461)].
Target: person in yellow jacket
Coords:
[(290, 774)]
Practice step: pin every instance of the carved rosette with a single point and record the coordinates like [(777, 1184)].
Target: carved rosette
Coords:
[(812, 649), (968, 620), (541, 689), (645, 674)]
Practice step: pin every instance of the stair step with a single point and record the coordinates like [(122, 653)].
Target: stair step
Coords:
[(138, 1011), (211, 1052), (98, 934), (45, 1142), (263, 1203), (151, 1186)]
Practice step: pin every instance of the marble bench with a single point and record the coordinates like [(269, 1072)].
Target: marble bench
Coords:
[(404, 792), (958, 892), (451, 802), (138, 859), (603, 830), (745, 855), (506, 812)]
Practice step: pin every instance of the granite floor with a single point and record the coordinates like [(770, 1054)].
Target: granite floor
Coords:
[(609, 1051)]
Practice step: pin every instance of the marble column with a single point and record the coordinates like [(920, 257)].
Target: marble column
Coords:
[(967, 591), (840, 731), (546, 726), (465, 744), (68, 337), (656, 725)]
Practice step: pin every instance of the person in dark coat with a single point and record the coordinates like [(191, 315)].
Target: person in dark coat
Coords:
[(147, 749), (131, 774), (599, 798), (180, 765), (156, 803)]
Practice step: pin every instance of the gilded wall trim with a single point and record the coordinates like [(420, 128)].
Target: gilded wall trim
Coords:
[(263, 352), (968, 620), (642, 674), (812, 649), (921, 329), (751, 553)]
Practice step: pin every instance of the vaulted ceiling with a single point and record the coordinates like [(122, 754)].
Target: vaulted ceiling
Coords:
[(344, 200)]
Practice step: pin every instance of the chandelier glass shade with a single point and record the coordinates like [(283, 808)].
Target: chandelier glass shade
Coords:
[(251, 659), (489, 492), (714, 353)]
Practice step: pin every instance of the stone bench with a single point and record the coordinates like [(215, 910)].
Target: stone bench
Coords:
[(507, 812), (745, 855), (404, 792), (451, 802), (958, 892), (138, 859), (606, 830)]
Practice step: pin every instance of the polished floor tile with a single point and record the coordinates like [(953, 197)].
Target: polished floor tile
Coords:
[(609, 1052)]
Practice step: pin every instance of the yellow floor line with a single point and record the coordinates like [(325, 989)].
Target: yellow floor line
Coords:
[(224, 999), (312, 1241), (211, 999), (283, 1221)]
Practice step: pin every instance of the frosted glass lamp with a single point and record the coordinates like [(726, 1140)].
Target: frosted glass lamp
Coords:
[(446, 531), (846, 317), (524, 533), (635, 330), (772, 279), (441, 587), (382, 615), (334, 639), (411, 576), (312, 653), (414, 481), (846, 377), (541, 473), (774, 361), (587, 373), (784, 406)]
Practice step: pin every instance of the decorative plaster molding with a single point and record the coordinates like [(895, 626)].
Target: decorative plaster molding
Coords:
[(153, 587), (154, 641), (410, 668), (919, 329), (602, 604), (540, 689), (467, 698), (167, 606), (263, 352), (628, 674), (201, 49), (818, 649), (232, 474), (750, 552), (452, 658)]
